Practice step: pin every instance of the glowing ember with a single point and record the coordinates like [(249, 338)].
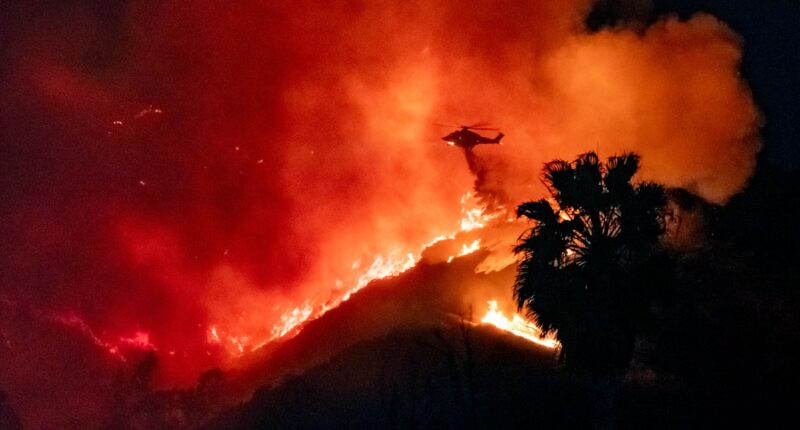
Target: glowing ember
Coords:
[(138, 341), (213, 336), (518, 326), (150, 110)]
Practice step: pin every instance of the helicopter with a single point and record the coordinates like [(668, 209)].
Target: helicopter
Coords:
[(468, 139)]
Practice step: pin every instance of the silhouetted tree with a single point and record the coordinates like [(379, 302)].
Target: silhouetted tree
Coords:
[(583, 272)]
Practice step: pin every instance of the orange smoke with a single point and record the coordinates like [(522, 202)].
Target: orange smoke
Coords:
[(234, 169), (671, 93), (345, 121)]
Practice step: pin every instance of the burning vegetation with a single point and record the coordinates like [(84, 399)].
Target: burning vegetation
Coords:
[(238, 188)]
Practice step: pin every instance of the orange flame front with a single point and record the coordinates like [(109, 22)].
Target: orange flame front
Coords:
[(236, 343), (518, 326), (291, 322)]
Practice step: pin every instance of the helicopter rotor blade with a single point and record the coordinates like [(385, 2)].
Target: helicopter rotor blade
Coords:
[(476, 126)]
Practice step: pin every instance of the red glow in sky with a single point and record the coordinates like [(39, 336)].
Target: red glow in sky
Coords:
[(175, 169)]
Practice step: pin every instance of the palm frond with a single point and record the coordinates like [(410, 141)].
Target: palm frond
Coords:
[(621, 169), (588, 160), (539, 210), (558, 176), (575, 274), (588, 182)]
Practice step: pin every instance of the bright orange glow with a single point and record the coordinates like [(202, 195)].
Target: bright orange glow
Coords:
[(586, 83), (469, 249), (518, 326), (291, 321), (139, 340), (473, 214), (246, 167)]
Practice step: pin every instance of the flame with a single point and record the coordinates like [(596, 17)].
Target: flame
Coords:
[(469, 249), (213, 336), (292, 321), (518, 326), (381, 267), (139, 340), (474, 215)]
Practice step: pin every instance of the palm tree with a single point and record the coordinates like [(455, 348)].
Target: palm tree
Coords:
[(583, 270)]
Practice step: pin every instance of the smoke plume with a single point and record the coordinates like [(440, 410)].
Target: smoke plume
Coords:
[(196, 171)]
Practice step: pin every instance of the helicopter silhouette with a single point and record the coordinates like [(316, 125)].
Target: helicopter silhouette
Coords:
[(468, 139)]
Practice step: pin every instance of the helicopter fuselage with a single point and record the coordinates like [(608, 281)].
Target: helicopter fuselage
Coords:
[(468, 139)]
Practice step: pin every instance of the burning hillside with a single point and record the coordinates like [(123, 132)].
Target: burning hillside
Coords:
[(202, 181)]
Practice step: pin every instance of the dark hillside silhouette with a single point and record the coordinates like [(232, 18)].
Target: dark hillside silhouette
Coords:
[(423, 378), (728, 326)]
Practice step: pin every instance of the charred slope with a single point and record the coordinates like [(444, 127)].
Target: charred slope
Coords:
[(424, 311), (454, 375), (425, 296)]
